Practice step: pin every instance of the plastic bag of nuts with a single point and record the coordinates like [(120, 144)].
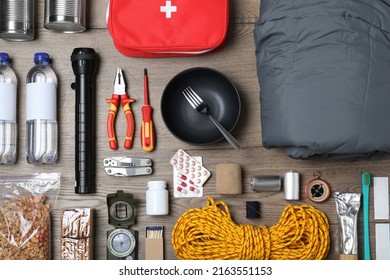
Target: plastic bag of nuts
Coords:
[(25, 204)]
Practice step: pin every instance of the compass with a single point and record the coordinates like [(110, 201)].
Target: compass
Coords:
[(317, 190), (121, 241)]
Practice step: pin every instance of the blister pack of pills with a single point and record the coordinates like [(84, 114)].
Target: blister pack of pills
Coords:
[(189, 175)]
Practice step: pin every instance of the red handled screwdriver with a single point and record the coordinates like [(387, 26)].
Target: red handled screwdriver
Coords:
[(147, 128)]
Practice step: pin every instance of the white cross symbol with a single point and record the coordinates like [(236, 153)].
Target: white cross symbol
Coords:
[(168, 9)]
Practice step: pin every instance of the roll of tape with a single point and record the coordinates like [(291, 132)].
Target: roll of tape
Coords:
[(291, 185), (266, 183)]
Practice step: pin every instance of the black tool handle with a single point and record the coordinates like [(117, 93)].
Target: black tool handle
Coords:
[(84, 64)]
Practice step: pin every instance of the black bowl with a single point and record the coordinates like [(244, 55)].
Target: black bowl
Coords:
[(220, 95)]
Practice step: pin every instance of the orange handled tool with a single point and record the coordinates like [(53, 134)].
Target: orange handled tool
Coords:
[(148, 136), (120, 96)]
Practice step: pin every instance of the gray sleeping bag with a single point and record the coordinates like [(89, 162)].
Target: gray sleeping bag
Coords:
[(324, 75)]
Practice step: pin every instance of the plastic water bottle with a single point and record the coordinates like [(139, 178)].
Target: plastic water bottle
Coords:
[(8, 97), (41, 112)]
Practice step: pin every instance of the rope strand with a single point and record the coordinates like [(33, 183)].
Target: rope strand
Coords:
[(302, 233)]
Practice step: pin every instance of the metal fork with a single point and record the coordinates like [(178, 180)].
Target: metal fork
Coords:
[(198, 104)]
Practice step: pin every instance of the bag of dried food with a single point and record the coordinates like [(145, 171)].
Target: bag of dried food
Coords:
[(25, 205)]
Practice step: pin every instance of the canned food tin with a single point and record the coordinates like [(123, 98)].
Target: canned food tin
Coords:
[(65, 16), (17, 20)]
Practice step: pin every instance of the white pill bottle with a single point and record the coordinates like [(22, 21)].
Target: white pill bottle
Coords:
[(157, 198)]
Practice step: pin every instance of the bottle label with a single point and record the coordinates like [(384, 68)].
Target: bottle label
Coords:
[(41, 101), (8, 102)]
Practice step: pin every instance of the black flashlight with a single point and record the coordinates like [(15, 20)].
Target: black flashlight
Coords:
[(85, 64)]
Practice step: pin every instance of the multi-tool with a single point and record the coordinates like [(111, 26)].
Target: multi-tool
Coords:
[(128, 166)]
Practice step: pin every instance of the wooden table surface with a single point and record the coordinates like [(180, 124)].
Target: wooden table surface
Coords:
[(237, 61)]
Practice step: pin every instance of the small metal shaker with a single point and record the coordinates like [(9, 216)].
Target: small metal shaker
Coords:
[(65, 16), (17, 20)]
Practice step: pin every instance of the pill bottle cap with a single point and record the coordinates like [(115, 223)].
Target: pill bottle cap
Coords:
[(157, 184)]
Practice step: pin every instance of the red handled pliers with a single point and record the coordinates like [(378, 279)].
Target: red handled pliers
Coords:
[(120, 95)]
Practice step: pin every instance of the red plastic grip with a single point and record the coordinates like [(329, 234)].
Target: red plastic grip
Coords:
[(126, 101), (114, 102), (147, 129), (111, 130), (130, 129)]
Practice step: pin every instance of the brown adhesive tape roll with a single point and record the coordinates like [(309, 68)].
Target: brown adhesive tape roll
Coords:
[(229, 180)]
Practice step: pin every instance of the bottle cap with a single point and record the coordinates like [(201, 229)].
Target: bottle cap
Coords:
[(42, 58), (157, 184), (4, 58)]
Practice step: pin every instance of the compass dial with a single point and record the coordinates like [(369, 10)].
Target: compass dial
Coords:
[(317, 190), (121, 243)]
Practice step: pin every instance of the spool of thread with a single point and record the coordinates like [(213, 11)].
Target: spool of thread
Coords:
[(291, 185), (252, 209), (228, 179), (266, 183)]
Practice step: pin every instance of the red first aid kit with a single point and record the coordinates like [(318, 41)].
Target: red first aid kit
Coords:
[(161, 28)]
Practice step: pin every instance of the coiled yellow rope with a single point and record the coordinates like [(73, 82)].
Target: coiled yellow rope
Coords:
[(302, 233)]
